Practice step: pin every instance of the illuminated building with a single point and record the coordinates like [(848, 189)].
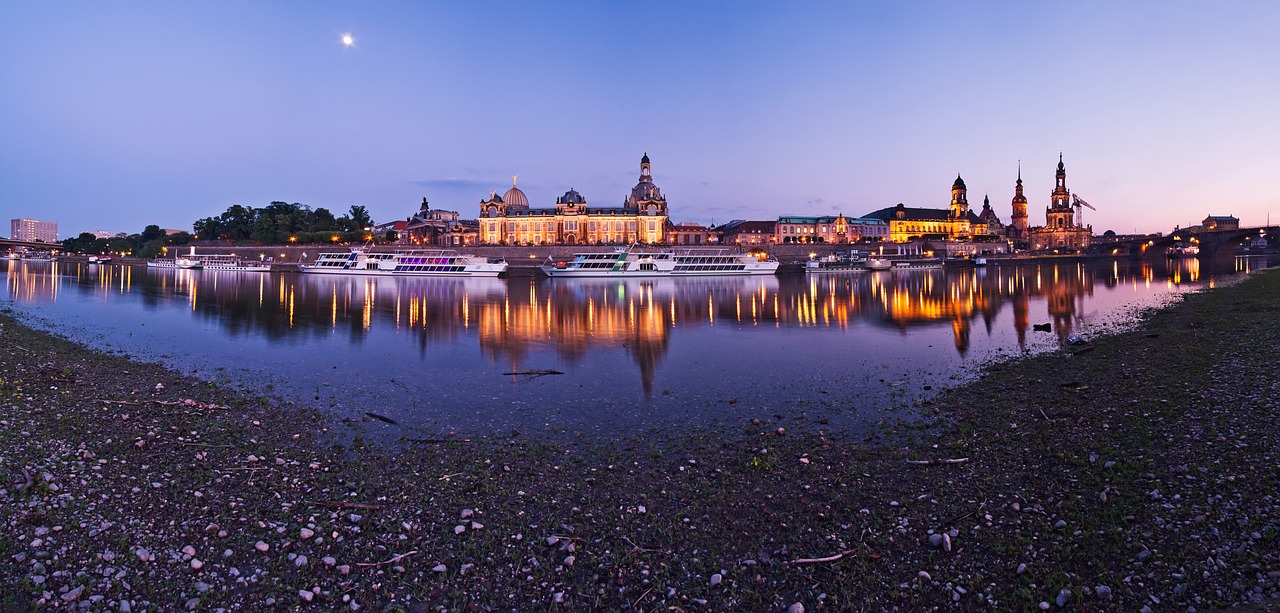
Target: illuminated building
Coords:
[(1017, 230), (955, 223), (828, 229), (1060, 230), (509, 220), (32, 230)]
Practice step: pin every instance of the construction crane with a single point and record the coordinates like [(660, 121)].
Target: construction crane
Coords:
[(1079, 203)]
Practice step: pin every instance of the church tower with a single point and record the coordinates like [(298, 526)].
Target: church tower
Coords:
[(1019, 218), (1059, 214), (959, 200)]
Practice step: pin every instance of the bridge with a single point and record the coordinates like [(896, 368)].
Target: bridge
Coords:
[(1212, 243), (9, 244)]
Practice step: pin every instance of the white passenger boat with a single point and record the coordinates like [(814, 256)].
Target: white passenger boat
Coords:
[(414, 263), (210, 261), (99, 259), (636, 262), (162, 263), (838, 262), (917, 264)]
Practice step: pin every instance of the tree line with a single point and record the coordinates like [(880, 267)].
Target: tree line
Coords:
[(282, 222), (275, 224)]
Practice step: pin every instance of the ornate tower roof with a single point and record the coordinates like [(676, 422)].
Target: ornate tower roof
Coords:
[(645, 190), (515, 198), (959, 184)]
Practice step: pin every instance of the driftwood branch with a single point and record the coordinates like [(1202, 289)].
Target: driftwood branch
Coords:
[(393, 560), (346, 505), (382, 418), (536, 372), (167, 403), (938, 462), (26, 475), (821, 560)]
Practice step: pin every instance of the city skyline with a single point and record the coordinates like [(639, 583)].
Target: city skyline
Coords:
[(120, 117)]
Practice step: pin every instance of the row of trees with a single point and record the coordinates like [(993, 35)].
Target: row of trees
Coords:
[(282, 222), (149, 243)]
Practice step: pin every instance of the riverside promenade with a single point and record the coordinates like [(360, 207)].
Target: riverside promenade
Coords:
[(1139, 471)]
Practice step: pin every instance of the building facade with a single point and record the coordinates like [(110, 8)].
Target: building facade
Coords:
[(1220, 223), (955, 223), (690, 233), (509, 220), (1016, 231), (1060, 230), (32, 230), (830, 230), (748, 233), (438, 228)]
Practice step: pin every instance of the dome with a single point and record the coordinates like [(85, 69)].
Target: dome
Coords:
[(645, 159), (515, 199), (571, 197), (959, 184), (645, 190)]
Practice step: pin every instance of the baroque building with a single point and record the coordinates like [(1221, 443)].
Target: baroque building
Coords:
[(642, 218), (1017, 230), (1060, 230), (956, 223)]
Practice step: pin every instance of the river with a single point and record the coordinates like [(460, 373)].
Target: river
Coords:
[(606, 359)]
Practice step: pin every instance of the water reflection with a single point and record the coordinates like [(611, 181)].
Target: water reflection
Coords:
[(425, 334)]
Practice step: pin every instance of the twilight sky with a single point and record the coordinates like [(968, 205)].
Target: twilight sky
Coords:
[(115, 115)]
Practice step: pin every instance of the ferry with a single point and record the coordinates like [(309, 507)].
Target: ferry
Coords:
[(416, 263), (1182, 251), (162, 263), (220, 261), (917, 264), (636, 262), (39, 256), (853, 261), (99, 259)]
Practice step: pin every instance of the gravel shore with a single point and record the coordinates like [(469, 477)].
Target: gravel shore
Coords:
[(1139, 471)]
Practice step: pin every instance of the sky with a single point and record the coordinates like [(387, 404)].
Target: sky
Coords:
[(118, 115)]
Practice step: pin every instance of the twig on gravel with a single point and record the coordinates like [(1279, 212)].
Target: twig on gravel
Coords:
[(26, 486), (637, 602), (203, 445), (393, 560), (346, 505), (448, 477), (1046, 417), (821, 560), (938, 462)]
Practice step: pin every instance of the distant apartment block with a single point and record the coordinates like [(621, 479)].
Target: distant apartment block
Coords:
[(32, 230)]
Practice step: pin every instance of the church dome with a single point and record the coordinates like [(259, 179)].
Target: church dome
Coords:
[(571, 197), (515, 199), (959, 184)]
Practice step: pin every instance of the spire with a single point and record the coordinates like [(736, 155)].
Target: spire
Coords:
[(1019, 172), (513, 180)]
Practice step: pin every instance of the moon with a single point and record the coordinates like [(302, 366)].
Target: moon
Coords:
[(348, 40)]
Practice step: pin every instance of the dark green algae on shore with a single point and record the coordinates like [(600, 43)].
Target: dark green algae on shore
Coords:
[(1140, 473)]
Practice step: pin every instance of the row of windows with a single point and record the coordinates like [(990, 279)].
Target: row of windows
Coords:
[(430, 268), (700, 268)]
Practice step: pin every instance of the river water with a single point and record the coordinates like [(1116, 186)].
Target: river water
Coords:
[(839, 352)]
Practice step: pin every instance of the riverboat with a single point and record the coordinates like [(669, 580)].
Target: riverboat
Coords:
[(917, 264), (208, 261), (414, 263), (838, 262), (39, 256), (99, 259), (162, 263), (1182, 251), (639, 262)]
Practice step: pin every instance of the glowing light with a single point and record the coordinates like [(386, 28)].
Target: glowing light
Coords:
[(348, 40)]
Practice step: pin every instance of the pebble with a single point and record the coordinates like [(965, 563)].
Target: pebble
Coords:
[(328, 560), (355, 518), (935, 540), (1144, 554), (143, 554), (924, 575), (1060, 524), (189, 551), (1063, 597), (261, 546), (300, 561), (716, 579), (467, 513), (440, 568), (459, 529), (1022, 568), (569, 560), (946, 542), (475, 525), (1103, 592), (1044, 606), (73, 594), (345, 569), (306, 533), (306, 595), (196, 564), (795, 608)]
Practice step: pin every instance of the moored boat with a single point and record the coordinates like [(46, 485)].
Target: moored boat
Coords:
[(853, 261), (917, 264), (639, 262), (220, 261), (413, 263)]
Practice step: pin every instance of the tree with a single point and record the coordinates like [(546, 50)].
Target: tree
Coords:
[(359, 218)]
